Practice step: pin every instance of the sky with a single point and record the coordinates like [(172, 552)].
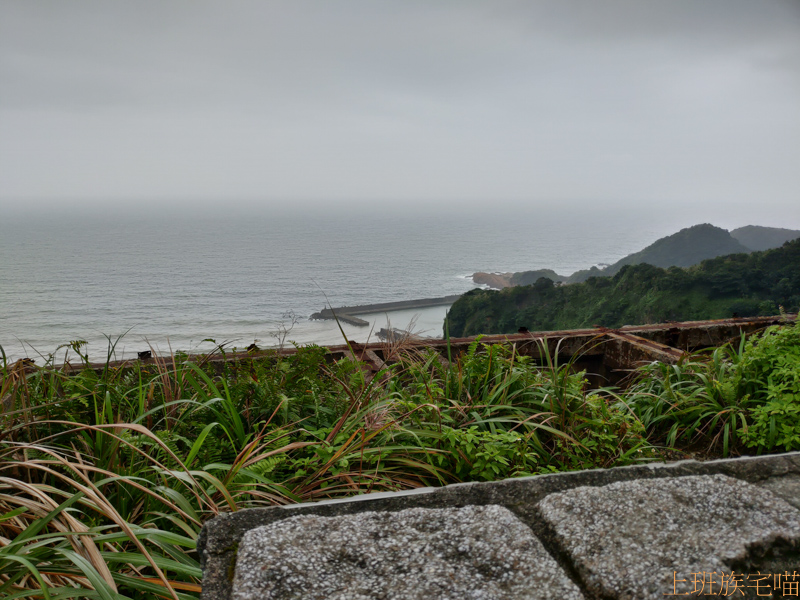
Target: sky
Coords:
[(625, 103)]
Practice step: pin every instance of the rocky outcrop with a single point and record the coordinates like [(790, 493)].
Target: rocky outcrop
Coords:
[(497, 281)]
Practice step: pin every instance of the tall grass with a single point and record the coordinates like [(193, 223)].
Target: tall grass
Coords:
[(106, 476), (726, 400)]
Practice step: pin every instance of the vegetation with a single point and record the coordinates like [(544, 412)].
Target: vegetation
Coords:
[(106, 476), (529, 277), (685, 248), (745, 396), (755, 237), (736, 285)]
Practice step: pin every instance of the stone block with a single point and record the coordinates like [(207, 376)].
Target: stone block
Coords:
[(221, 537), (468, 553), (640, 539)]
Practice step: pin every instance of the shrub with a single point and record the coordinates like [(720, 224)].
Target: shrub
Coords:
[(772, 364)]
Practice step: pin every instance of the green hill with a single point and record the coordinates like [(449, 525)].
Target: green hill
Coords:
[(683, 249), (755, 237), (529, 277), (738, 284)]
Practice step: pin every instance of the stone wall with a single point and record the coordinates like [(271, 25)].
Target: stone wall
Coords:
[(681, 529)]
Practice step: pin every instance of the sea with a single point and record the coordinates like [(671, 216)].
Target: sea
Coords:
[(126, 280)]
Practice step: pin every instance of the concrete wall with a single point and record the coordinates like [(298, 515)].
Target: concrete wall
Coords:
[(778, 475)]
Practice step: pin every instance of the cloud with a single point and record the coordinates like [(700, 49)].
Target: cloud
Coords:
[(631, 101)]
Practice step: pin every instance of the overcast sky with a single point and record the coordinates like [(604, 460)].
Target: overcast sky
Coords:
[(633, 102)]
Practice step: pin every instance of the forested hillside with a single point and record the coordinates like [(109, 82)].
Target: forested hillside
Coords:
[(739, 284), (682, 249), (530, 277)]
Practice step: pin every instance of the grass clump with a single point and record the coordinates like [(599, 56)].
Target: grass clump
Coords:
[(728, 400)]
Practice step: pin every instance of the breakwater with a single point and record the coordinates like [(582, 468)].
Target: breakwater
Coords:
[(345, 313)]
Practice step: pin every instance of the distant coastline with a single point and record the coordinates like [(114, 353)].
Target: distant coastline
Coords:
[(685, 248), (169, 297)]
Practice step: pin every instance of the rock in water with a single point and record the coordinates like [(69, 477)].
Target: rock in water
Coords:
[(657, 538), (469, 553)]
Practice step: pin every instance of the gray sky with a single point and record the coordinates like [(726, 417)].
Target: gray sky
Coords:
[(666, 103)]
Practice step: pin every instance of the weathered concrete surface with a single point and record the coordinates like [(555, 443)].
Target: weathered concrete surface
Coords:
[(474, 552), (787, 487), (220, 537), (626, 351), (645, 539)]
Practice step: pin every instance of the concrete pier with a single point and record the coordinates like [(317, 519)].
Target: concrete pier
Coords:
[(345, 313)]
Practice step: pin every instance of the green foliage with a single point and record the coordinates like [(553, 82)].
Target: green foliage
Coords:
[(776, 424), (774, 360), (699, 402), (685, 248), (734, 398), (741, 284), (106, 476), (472, 454), (606, 435), (530, 277)]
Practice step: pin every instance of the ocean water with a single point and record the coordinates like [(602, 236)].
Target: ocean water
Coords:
[(170, 280)]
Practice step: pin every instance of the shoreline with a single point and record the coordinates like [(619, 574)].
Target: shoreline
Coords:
[(425, 321)]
